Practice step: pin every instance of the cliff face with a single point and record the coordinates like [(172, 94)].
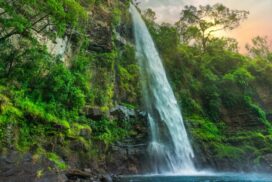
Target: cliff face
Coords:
[(79, 114)]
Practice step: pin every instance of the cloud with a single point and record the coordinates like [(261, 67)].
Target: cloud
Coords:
[(166, 10)]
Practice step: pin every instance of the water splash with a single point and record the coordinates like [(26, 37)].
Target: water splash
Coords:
[(169, 148)]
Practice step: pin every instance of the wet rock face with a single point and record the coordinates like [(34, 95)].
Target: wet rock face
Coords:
[(100, 30), (122, 113), (129, 156), (266, 162), (15, 167)]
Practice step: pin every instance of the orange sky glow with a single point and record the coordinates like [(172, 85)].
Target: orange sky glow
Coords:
[(259, 21)]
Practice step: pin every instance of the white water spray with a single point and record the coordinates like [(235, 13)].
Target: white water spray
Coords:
[(169, 149)]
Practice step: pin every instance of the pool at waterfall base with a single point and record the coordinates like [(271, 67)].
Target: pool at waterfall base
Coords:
[(216, 177)]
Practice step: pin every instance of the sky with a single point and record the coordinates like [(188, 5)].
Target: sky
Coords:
[(259, 21)]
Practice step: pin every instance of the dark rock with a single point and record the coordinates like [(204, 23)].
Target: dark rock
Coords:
[(102, 36), (16, 167), (85, 132), (77, 145), (27, 157), (76, 173), (122, 113), (53, 178), (87, 170), (12, 157), (94, 113), (100, 30), (106, 178), (269, 116)]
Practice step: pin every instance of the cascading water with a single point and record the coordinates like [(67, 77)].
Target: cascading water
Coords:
[(169, 148)]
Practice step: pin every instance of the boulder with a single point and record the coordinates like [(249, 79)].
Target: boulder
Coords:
[(93, 113), (106, 178), (73, 174), (122, 113)]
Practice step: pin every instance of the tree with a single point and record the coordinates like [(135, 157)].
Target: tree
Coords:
[(21, 17), (199, 24), (260, 48), (150, 15), (217, 44), (22, 57)]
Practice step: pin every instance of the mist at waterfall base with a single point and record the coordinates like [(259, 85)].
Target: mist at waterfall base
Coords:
[(170, 151)]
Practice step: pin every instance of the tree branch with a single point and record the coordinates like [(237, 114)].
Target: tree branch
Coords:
[(41, 29), (40, 19), (216, 30), (4, 12), (13, 32)]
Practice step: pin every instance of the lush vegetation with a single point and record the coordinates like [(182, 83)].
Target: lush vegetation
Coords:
[(45, 97), (224, 94)]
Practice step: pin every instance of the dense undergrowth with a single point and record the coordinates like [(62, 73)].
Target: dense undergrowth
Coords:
[(44, 97)]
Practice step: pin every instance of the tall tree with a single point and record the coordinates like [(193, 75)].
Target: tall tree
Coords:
[(261, 47), (199, 24), (150, 15)]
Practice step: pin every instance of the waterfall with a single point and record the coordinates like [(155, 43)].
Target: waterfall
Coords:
[(169, 148)]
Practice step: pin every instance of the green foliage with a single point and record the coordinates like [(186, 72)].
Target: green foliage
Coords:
[(60, 86), (102, 80), (211, 135), (200, 23), (241, 76), (203, 129), (220, 90), (24, 61), (150, 15), (260, 48), (128, 83), (259, 112), (43, 99), (37, 112), (57, 161), (226, 151), (23, 16), (109, 131), (25, 123), (116, 19)]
